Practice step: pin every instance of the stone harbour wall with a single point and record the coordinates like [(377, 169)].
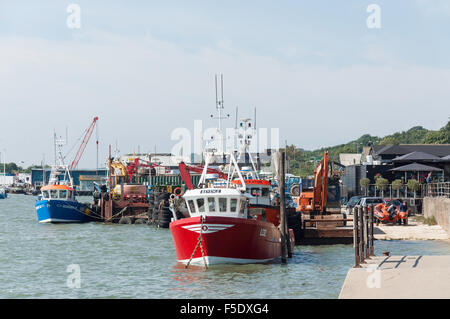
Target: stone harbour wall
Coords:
[(439, 207)]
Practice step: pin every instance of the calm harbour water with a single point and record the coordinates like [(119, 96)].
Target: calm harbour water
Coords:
[(138, 261)]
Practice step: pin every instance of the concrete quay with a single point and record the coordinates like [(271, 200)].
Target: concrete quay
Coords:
[(413, 231), (399, 277)]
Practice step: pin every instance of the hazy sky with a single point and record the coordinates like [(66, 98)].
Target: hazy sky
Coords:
[(312, 68)]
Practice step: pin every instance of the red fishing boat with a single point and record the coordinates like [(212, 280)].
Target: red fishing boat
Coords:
[(224, 228)]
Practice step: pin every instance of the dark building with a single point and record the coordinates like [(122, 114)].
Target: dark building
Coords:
[(386, 153), (390, 157), (354, 173)]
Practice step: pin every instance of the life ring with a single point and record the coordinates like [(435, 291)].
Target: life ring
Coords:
[(178, 191)]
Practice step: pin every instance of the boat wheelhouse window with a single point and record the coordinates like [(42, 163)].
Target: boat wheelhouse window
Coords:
[(265, 192), (201, 205), (53, 193), (191, 206), (212, 204), (63, 194), (222, 205), (255, 192), (233, 205), (242, 206), (69, 194), (45, 194)]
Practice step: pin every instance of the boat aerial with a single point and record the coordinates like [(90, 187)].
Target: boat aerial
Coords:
[(57, 202)]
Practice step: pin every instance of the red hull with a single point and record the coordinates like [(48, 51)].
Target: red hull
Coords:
[(226, 240)]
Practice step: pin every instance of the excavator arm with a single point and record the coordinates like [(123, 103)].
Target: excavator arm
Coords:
[(316, 199)]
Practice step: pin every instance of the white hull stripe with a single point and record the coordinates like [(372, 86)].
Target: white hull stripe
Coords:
[(207, 228), (213, 260), (58, 220)]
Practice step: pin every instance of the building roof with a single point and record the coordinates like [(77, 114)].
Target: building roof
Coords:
[(417, 156), (402, 149), (416, 167), (347, 159)]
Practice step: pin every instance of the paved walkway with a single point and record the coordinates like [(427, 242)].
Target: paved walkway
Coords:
[(413, 231), (399, 277)]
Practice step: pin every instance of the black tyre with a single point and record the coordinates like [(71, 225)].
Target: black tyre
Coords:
[(164, 196), (140, 221), (125, 220), (164, 223), (155, 216)]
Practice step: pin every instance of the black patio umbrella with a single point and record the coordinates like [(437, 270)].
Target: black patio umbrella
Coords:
[(416, 167)]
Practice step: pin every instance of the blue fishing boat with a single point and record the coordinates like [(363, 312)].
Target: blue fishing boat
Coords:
[(57, 202), (3, 193)]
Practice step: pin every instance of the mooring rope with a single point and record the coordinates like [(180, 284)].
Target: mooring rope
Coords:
[(95, 215), (199, 243)]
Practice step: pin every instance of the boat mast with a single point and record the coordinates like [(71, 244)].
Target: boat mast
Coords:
[(59, 163), (220, 108)]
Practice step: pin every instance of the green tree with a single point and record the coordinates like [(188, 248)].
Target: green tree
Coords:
[(365, 182), (381, 183), (397, 184), (388, 140), (413, 185)]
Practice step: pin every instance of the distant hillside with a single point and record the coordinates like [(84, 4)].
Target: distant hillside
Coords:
[(302, 162)]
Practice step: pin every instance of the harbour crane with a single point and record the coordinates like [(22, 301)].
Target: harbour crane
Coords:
[(86, 138)]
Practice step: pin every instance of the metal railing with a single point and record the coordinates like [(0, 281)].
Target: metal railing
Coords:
[(363, 237), (436, 189), (390, 192)]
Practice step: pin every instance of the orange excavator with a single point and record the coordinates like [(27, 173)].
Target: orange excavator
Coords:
[(315, 200)]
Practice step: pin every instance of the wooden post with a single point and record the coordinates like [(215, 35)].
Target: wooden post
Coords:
[(371, 230), (282, 206), (366, 232), (286, 226), (361, 235), (356, 237)]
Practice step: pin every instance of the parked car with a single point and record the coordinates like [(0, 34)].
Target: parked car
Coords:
[(365, 201), (351, 203)]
